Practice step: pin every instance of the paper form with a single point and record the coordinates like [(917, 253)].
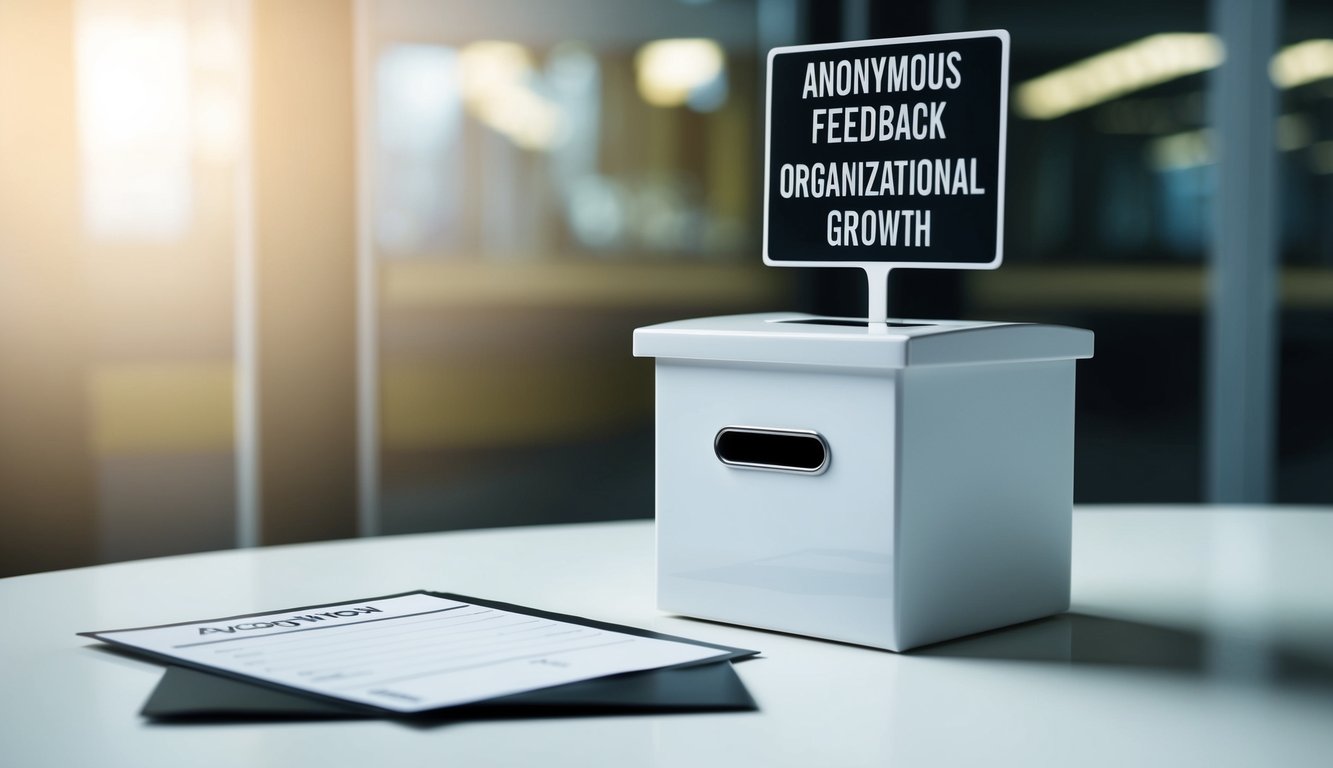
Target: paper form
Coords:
[(407, 653)]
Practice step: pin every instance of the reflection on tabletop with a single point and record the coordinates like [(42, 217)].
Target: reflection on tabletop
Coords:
[(1081, 639)]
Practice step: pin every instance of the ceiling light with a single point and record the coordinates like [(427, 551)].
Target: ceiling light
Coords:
[(1302, 63), (1141, 64)]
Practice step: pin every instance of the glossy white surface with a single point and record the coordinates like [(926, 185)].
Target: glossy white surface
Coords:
[(791, 338), (944, 506), (1197, 637), (944, 509)]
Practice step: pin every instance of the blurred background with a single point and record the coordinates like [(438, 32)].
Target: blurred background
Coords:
[(286, 270)]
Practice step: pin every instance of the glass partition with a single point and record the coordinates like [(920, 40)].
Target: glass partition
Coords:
[(1107, 226), (543, 179), (161, 108), (1303, 73)]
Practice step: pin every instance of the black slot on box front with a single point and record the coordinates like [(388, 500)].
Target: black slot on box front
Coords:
[(776, 449)]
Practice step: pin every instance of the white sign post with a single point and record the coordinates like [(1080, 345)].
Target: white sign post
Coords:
[(889, 153)]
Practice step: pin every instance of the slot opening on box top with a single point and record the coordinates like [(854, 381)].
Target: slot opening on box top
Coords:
[(849, 323), (781, 450)]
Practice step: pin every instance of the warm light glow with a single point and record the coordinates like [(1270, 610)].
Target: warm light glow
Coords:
[(497, 80), (529, 120), (134, 119), (218, 123), (1142, 64), (218, 63), (159, 93), (488, 66), (1302, 63), (670, 71)]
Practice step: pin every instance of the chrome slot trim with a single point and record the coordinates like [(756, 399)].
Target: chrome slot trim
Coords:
[(808, 434)]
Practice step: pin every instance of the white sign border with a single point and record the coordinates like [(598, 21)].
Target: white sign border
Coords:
[(1003, 36)]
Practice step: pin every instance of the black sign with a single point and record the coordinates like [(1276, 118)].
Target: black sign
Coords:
[(887, 152)]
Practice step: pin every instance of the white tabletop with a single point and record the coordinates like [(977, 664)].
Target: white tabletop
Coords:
[(1198, 636)]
